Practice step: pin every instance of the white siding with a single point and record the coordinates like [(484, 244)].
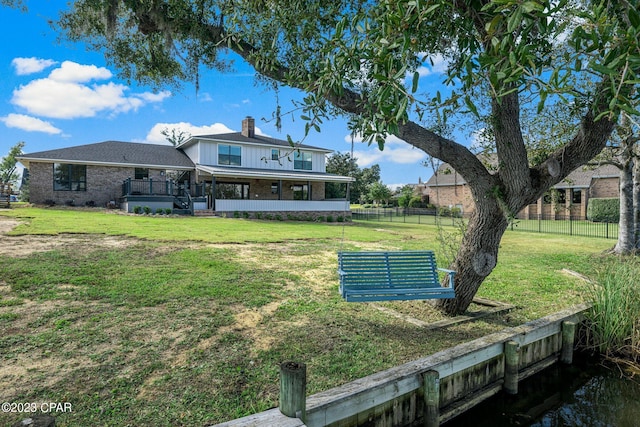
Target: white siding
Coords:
[(229, 205), (208, 153), (256, 157), (193, 152)]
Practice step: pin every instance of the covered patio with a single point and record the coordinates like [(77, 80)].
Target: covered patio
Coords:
[(234, 189)]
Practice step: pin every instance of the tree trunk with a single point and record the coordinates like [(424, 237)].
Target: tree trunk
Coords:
[(626, 223), (478, 255)]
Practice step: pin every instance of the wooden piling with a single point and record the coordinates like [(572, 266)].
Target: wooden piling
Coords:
[(511, 362), (431, 389), (293, 389), (568, 340)]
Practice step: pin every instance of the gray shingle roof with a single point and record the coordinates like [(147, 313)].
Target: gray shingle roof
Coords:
[(579, 178), (116, 153)]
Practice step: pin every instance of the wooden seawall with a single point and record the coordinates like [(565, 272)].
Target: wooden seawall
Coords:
[(461, 377)]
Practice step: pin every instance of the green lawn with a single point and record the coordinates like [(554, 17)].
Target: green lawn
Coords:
[(165, 321)]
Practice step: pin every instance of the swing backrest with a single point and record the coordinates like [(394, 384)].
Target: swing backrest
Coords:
[(387, 276)]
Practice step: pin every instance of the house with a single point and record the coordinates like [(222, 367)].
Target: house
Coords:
[(221, 174), (569, 197)]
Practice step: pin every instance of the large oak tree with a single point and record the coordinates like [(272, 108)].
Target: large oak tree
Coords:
[(362, 59)]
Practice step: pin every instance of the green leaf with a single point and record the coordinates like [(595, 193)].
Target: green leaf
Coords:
[(530, 6), (629, 109), (634, 17), (471, 106), (602, 69), (414, 83)]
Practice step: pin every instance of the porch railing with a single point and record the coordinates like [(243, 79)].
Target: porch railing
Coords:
[(157, 187)]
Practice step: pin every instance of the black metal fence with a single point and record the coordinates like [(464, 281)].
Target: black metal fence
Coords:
[(560, 225)]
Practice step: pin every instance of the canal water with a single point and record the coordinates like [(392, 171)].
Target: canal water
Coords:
[(585, 394)]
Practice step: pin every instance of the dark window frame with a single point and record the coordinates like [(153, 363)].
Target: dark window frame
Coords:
[(69, 177), (141, 173), (235, 189), (576, 196), (227, 155), (300, 191), (303, 160)]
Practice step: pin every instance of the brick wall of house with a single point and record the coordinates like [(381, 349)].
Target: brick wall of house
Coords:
[(604, 187), (452, 195), (104, 184)]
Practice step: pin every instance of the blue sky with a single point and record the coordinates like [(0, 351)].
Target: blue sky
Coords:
[(56, 95)]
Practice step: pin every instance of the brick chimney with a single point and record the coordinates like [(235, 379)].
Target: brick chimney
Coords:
[(249, 127)]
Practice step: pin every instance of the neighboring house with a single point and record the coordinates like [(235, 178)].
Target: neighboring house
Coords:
[(224, 173), (569, 198)]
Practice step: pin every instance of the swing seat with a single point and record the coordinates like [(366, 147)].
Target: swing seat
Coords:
[(388, 276)]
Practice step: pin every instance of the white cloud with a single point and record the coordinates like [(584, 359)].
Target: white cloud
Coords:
[(29, 124), (79, 73), (68, 93), (204, 97), (154, 97), (155, 136), (436, 64), (31, 65), (395, 151)]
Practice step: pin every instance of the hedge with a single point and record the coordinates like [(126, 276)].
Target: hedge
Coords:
[(603, 210)]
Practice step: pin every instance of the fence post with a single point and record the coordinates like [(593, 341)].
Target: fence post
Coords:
[(568, 338), (431, 389), (570, 225), (293, 390), (511, 361)]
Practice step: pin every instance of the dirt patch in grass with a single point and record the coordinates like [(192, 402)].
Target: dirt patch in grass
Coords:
[(194, 360), (21, 246)]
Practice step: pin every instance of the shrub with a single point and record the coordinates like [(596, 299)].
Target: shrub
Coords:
[(416, 202), (50, 202), (245, 215), (90, 204), (236, 214), (278, 217), (137, 209), (603, 210), (329, 218), (444, 211), (257, 215), (146, 209), (168, 211)]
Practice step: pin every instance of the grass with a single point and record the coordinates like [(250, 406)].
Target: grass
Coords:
[(581, 228), (183, 321), (614, 317)]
